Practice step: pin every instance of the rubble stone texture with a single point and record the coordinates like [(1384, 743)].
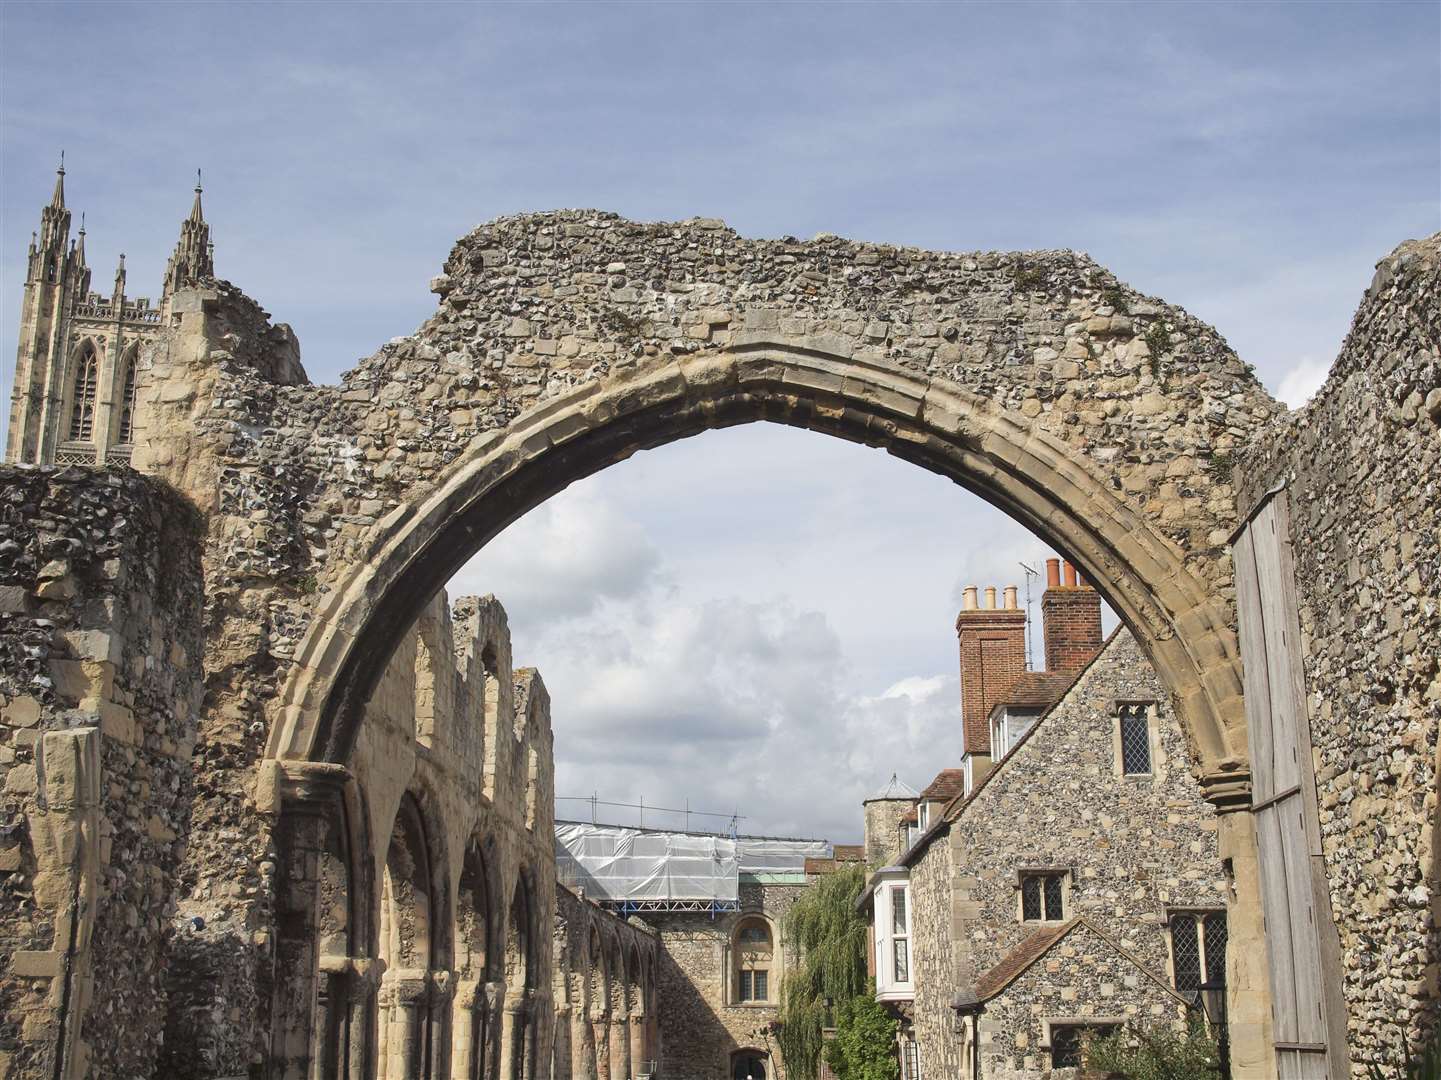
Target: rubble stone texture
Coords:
[(100, 680), (1110, 423), (1362, 465)]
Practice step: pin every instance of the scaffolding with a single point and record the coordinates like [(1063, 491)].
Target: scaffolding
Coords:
[(633, 870)]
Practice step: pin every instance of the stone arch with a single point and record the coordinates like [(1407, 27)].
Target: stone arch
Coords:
[(1183, 621)]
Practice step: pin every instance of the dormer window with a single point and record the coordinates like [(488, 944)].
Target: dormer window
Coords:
[(923, 817), (1008, 727)]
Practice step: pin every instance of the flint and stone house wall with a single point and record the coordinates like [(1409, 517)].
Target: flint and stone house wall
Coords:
[(1134, 847)]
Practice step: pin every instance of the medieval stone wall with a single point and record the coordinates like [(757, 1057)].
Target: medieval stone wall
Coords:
[(1132, 846), (1362, 466), (1114, 397), (702, 1024), (607, 1008), (100, 684)]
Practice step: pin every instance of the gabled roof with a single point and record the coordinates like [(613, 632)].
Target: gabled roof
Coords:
[(960, 802), (1019, 960), (947, 785)]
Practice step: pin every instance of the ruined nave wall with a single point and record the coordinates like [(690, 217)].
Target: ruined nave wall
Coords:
[(100, 682)]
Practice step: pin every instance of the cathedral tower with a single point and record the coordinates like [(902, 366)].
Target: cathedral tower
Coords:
[(78, 362)]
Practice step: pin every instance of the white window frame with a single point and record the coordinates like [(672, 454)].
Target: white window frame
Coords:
[(888, 987), (923, 815)]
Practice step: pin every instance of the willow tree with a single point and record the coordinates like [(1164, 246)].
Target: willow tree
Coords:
[(830, 935)]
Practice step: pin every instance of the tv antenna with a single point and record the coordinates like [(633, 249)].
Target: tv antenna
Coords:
[(1030, 662)]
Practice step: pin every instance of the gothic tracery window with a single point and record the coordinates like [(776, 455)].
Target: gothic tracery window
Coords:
[(753, 951), (127, 404), (82, 408)]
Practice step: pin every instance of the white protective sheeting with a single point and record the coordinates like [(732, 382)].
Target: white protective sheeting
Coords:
[(611, 862)]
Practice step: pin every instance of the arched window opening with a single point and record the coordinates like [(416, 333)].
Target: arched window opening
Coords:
[(407, 944), (126, 428), (518, 1033), (752, 952), (82, 406), (472, 1040)]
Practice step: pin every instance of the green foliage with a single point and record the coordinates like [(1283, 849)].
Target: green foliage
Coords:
[(1115, 296), (1221, 466), (824, 926), (1426, 1067), (1156, 1053), (865, 1044), (1158, 339), (1029, 277)]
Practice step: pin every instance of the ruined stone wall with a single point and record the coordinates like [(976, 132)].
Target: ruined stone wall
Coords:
[(586, 991), (101, 646), (302, 484), (701, 1023), (1133, 846), (1362, 467)]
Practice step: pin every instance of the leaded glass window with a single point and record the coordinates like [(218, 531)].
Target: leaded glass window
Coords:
[(127, 405), (1198, 948), (1043, 897), (1135, 740)]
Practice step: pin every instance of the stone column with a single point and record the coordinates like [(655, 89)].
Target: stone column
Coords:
[(435, 1049), (308, 794), (561, 1059), (638, 1051), (582, 1049), (600, 1029), (1248, 977), (465, 1028), (360, 1007), (405, 995), (620, 1048), (512, 1038)]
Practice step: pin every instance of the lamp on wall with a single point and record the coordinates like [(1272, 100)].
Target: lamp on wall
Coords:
[(1210, 997)]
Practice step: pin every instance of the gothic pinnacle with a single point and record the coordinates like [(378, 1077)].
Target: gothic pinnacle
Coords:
[(195, 211), (58, 199)]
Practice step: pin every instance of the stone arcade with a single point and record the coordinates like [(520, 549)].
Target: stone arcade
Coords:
[(221, 825)]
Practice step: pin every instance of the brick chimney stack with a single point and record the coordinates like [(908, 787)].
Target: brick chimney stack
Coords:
[(993, 657), (1071, 610)]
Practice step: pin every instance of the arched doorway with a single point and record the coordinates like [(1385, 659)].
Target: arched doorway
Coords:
[(750, 1064)]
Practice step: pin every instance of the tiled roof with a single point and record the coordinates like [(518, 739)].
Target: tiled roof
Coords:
[(947, 785), (1015, 962), (1037, 690), (819, 866), (1018, 960), (849, 852)]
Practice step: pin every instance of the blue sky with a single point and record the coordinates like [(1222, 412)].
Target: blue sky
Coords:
[(1247, 161)]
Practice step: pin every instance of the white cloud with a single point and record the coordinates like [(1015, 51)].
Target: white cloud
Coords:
[(1301, 382), (562, 559)]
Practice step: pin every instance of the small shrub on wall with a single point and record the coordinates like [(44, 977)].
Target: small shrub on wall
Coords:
[(865, 1044), (1155, 1053)]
